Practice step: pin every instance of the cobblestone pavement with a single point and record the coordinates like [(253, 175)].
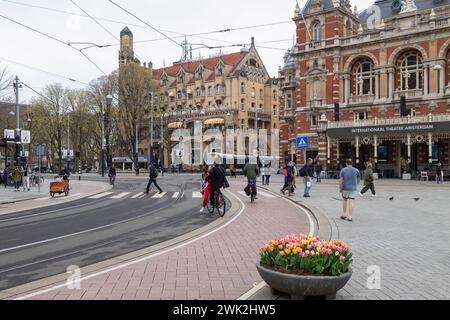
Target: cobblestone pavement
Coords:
[(219, 266), (407, 239)]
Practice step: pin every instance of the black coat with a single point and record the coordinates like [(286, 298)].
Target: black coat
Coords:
[(217, 177)]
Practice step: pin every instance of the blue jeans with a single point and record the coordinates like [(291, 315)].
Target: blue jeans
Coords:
[(253, 182), (306, 180)]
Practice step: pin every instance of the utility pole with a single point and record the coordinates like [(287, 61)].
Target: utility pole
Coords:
[(136, 157), (102, 166), (152, 106), (68, 141), (17, 86), (161, 152)]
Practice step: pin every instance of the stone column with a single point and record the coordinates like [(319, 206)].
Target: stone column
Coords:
[(425, 80), (377, 85), (408, 143), (391, 84), (430, 147), (357, 149), (442, 80), (375, 149), (347, 89), (328, 150), (337, 152)]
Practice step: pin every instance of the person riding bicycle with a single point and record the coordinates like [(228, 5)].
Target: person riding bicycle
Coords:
[(206, 187), (216, 179), (251, 171), (112, 174), (64, 173)]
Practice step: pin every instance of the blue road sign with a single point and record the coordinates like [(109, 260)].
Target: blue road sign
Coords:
[(302, 142)]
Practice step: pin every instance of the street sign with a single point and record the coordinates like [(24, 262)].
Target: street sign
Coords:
[(302, 142), (8, 134), (27, 154), (40, 150), (25, 136)]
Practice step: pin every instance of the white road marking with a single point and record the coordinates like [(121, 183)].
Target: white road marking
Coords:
[(267, 195), (120, 195), (62, 197), (159, 195), (127, 264), (137, 195), (175, 195), (42, 199), (196, 194), (101, 195)]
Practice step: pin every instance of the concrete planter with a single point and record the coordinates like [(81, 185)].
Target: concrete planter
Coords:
[(406, 176), (299, 287)]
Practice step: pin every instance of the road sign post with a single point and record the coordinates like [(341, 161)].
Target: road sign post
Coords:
[(302, 142)]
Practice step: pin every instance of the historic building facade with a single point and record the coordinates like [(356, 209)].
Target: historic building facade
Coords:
[(227, 91), (373, 86)]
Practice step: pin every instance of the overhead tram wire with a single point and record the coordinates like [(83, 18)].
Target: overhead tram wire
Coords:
[(35, 91), (144, 22), (100, 25), (54, 39), (45, 71)]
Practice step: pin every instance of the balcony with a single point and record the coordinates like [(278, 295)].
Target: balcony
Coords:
[(261, 116), (315, 45), (289, 114), (362, 99), (414, 93), (288, 85)]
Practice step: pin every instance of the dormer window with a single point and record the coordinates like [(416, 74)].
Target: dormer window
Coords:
[(181, 76), (164, 79), (199, 73), (219, 69)]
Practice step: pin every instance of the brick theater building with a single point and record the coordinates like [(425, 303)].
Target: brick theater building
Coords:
[(373, 86)]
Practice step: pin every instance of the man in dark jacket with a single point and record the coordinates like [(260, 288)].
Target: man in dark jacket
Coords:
[(251, 171), (217, 180), (153, 176), (307, 172)]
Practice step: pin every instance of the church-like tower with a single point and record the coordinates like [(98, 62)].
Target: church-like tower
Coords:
[(126, 53)]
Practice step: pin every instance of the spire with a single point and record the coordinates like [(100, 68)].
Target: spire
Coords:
[(297, 10), (126, 32), (432, 14)]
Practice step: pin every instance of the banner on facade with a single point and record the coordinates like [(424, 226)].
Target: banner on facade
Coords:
[(390, 129)]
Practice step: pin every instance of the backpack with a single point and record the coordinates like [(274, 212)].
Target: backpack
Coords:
[(303, 171), (155, 172)]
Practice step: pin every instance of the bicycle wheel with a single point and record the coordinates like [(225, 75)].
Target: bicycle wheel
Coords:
[(221, 204), (209, 207)]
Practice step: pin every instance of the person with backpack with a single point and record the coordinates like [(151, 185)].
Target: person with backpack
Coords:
[(307, 172), (153, 176), (368, 181), (287, 172)]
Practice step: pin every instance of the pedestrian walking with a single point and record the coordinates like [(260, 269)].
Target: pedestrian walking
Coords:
[(287, 173), (17, 178), (152, 179), (5, 176), (294, 176), (112, 175), (307, 172), (368, 181), (319, 169), (268, 174), (25, 179), (439, 174), (265, 174), (348, 183)]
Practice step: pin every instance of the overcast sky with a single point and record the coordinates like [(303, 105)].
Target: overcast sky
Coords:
[(175, 17)]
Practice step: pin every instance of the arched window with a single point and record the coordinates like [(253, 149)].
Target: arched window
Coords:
[(242, 87), (179, 94), (210, 91), (317, 31), (242, 104), (411, 71), (365, 77), (261, 94), (198, 92)]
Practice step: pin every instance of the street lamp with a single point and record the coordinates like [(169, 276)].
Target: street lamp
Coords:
[(109, 99), (322, 126), (438, 68)]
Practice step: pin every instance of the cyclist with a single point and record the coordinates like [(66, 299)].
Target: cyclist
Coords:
[(206, 187), (251, 171), (216, 178), (112, 175)]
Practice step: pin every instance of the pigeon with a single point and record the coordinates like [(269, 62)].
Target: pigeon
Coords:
[(417, 199), (391, 198)]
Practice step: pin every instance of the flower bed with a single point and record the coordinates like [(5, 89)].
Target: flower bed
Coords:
[(306, 255)]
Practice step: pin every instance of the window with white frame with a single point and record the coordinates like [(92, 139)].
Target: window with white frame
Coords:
[(242, 87), (198, 92), (288, 103), (242, 104), (357, 116), (317, 31), (411, 71), (365, 78)]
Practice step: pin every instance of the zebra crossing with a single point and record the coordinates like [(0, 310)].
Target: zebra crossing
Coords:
[(140, 195)]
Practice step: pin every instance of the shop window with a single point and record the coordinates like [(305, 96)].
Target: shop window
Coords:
[(383, 155)]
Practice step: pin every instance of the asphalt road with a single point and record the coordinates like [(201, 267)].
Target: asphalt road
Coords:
[(42, 242)]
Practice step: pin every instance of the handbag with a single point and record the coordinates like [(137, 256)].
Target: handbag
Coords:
[(225, 183), (247, 190), (284, 172)]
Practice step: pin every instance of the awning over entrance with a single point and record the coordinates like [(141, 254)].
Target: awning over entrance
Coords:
[(215, 121)]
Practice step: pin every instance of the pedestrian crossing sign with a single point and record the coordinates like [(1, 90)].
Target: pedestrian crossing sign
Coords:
[(302, 142)]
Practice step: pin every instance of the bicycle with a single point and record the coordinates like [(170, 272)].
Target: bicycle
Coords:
[(219, 203)]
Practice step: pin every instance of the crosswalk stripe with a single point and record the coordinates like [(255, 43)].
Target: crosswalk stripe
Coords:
[(175, 195), (101, 195), (137, 195), (159, 195), (120, 195), (196, 194)]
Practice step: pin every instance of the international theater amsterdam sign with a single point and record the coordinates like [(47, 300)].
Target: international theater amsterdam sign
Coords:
[(390, 129)]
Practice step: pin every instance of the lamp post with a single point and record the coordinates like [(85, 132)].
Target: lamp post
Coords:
[(109, 99), (322, 128), (152, 107), (438, 68), (17, 86), (108, 104)]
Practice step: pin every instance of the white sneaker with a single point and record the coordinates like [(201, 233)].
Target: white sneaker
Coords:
[(361, 195), (374, 195), (202, 209)]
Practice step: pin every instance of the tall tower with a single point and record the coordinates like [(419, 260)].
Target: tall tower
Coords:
[(126, 53)]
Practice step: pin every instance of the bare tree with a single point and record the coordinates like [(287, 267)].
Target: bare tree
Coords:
[(5, 85), (135, 88)]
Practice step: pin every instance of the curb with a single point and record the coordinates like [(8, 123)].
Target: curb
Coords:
[(46, 283)]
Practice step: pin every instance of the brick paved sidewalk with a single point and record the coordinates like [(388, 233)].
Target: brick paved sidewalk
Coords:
[(219, 266)]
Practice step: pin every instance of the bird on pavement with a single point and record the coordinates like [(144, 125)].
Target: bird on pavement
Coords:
[(417, 199), (391, 198)]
